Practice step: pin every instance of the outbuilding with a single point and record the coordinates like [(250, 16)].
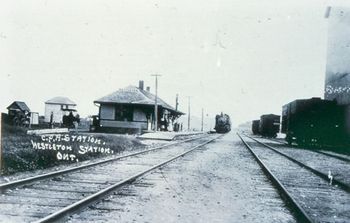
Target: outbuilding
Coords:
[(57, 107), (20, 114), (131, 110), (18, 106)]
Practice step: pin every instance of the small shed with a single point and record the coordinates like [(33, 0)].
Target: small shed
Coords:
[(57, 107), (131, 110), (20, 114), (17, 106)]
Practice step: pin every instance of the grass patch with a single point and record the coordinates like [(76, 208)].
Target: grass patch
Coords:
[(19, 154)]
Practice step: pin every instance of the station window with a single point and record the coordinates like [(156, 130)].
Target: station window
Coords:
[(124, 113)]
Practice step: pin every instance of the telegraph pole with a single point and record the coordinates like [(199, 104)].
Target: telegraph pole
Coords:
[(202, 121), (189, 113), (156, 103)]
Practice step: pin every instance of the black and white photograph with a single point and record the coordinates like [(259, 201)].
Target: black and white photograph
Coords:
[(175, 111)]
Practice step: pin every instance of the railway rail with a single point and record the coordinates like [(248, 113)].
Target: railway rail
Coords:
[(50, 174), (52, 197), (319, 164), (310, 194), (324, 152)]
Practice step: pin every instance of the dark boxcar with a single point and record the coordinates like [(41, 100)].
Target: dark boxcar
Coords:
[(315, 122), (269, 125), (255, 127), (222, 123)]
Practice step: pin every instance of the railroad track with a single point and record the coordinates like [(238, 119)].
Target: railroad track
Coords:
[(320, 163), (17, 182), (326, 153), (53, 196), (308, 192)]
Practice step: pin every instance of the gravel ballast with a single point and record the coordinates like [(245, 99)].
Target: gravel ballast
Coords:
[(217, 183)]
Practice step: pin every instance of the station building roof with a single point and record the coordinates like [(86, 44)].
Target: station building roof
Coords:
[(134, 95)]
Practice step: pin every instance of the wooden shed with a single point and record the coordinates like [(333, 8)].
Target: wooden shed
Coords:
[(20, 114), (18, 106)]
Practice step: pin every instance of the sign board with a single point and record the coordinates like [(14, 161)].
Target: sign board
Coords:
[(47, 131)]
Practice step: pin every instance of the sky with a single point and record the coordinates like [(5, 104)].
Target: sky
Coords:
[(244, 58)]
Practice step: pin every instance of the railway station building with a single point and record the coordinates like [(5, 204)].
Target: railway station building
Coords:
[(131, 110)]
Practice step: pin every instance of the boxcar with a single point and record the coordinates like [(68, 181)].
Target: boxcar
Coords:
[(269, 125), (315, 122), (255, 127)]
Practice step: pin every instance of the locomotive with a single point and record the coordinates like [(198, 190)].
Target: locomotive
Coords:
[(315, 122), (222, 123)]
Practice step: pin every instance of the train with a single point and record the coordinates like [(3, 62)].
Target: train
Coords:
[(316, 122), (313, 122), (267, 126), (222, 123), (255, 126)]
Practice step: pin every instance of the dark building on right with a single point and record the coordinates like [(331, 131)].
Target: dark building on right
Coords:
[(337, 82)]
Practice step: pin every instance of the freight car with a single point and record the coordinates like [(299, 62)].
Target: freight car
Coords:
[(316, 122), (255, 127), (222, 123), (269, 125)]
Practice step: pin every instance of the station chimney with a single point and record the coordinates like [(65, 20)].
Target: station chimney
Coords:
[(141, 84), (177, 102)]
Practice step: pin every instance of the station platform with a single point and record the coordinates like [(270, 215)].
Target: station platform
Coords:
[(47, 131), (168, 136)]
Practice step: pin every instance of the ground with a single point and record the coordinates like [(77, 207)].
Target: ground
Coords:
[(217, 183), (20, 159)]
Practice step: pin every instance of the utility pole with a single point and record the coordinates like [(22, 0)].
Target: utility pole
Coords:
[(156, 103), (202, 121), (189, 113), (207, 115)]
